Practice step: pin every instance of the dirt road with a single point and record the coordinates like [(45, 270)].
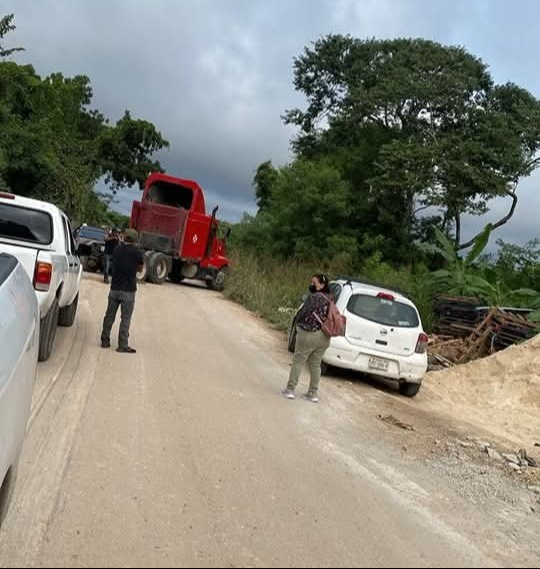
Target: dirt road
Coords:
[(185, 455)]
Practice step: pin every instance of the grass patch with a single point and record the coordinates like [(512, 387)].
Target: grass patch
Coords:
[(272, 288)]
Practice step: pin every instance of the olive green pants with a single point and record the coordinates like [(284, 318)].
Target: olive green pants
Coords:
[(310, 348)]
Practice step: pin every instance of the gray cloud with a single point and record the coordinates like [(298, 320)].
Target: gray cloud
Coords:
[(215, 75)]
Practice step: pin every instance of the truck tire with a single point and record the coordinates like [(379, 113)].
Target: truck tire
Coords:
[(158, 269), (218, 280), (66, 316), (48, 327), (409, 389), (142, 275)]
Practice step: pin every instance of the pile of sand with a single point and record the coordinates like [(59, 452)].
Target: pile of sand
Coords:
[(500, 393)]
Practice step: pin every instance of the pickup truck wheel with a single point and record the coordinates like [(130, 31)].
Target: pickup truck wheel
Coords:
[(218, 280), (158, 270), (66, 316), (48, 327), (409, 389)]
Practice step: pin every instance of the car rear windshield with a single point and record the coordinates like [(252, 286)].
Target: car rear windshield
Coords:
[(93, 233), (383, 311), (25, 224)]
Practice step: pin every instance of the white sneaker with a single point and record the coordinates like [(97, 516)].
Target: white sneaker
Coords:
[(313, 397), (288, 394)]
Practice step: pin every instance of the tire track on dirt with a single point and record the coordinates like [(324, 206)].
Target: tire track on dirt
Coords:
[(54, 423)]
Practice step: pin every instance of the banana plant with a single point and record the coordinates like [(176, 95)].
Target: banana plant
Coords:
[(462, 277)]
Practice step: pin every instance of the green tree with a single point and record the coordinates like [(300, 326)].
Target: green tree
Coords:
[(306, 216), (413, 124), (54, 146), (263, 182), (6, 26)]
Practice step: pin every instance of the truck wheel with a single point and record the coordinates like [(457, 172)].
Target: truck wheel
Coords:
[(409, 389), (158, 269), (48, 327), (66, 316), (218, 280), (142, 275)]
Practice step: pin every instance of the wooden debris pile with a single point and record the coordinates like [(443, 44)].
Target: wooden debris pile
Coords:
[(467, 331)]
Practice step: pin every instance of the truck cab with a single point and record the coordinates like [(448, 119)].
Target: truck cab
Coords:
[(179, 238)]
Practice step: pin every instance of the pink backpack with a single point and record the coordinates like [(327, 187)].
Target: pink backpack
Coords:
[(335, 323)]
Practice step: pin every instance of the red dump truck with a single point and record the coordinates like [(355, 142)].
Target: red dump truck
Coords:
[(179, 238)]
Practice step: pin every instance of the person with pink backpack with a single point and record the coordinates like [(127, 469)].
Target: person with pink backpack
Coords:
[(316, 322)]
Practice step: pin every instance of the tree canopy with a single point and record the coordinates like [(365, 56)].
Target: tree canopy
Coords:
[(55, 146), (418, 132)]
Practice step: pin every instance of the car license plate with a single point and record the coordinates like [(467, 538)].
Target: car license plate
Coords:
[(378, 364)]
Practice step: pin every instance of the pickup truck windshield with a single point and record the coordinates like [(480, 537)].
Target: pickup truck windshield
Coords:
[(25, 224)]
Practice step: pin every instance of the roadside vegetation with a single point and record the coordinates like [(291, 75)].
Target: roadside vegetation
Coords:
[(54, 145), (398, 142)]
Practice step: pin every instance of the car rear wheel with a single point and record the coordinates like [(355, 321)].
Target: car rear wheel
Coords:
[(48, 327), (409, 389), (6, 493)]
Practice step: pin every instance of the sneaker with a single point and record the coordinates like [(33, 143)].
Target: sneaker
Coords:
[(126, 350), (313, 397), (288, 394)]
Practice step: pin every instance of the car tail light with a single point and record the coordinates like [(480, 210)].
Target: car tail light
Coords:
[(386, 296), (422, 344), (7, 195), (42, 276)]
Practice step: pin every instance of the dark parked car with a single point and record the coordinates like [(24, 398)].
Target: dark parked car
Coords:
[(91, 245)]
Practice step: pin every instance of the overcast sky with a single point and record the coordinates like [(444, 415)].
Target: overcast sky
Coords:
[(215, 75)]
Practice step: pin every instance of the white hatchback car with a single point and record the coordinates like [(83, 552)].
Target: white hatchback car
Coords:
[(384, 334)]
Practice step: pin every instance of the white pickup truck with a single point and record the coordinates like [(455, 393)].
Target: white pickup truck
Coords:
[(39, 235), (19, 339)]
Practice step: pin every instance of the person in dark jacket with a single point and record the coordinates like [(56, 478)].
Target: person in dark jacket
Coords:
[(127, 261), (311, 342), (111, 242)]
